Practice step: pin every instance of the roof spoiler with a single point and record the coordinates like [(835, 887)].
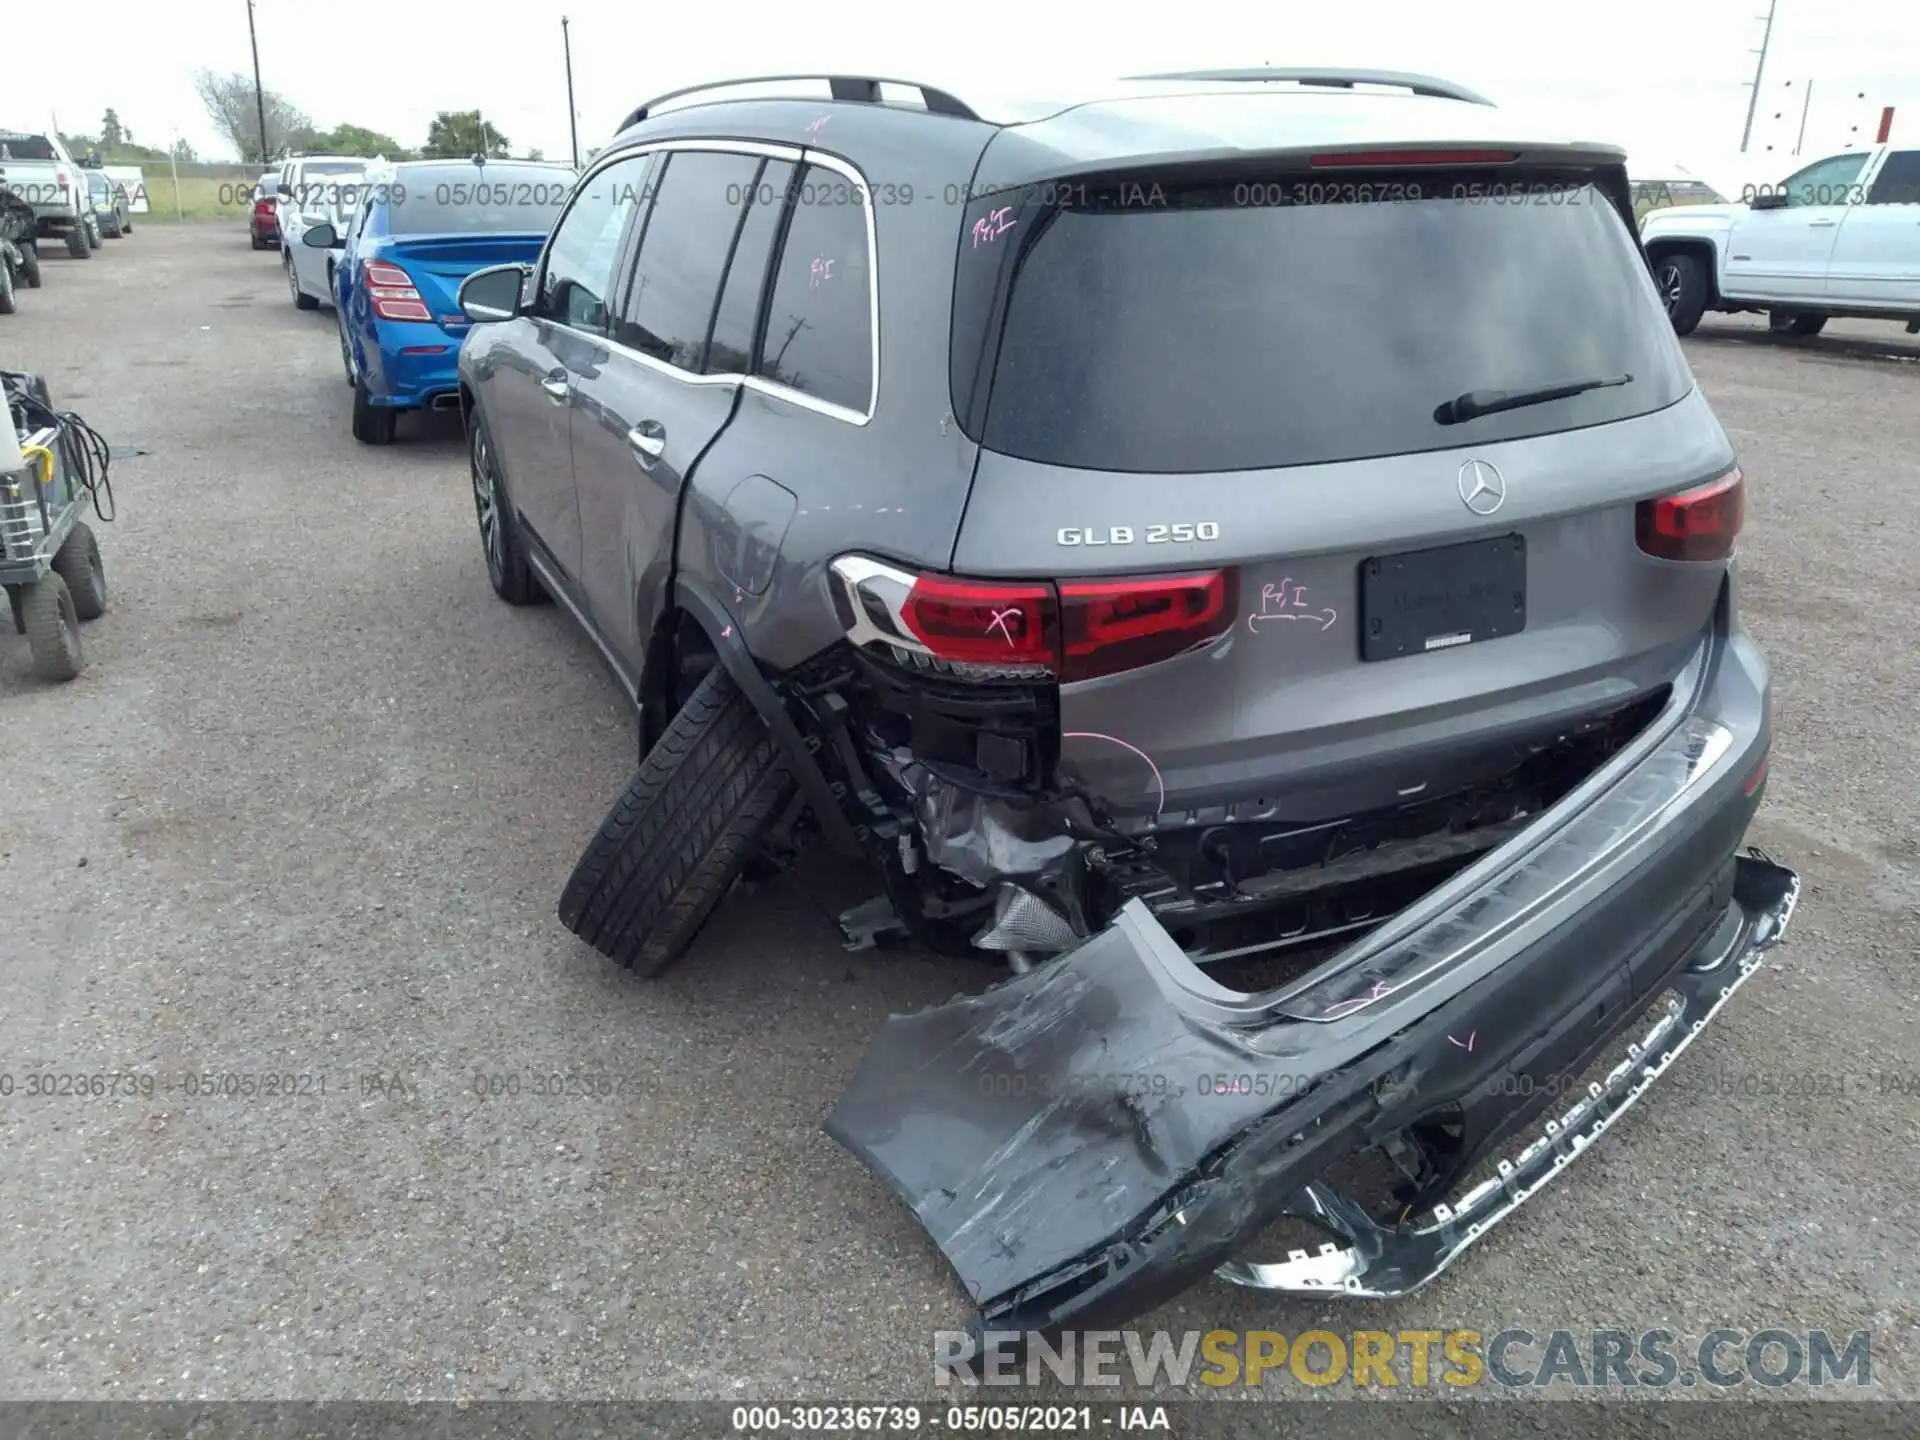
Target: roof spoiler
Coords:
[(1426, 85)]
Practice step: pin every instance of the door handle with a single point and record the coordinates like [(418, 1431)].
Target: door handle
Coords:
[(1821, 224), (648, 440), (556, 388)]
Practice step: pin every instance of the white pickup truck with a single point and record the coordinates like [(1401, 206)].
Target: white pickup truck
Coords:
[(1838, 237), (38, 169)]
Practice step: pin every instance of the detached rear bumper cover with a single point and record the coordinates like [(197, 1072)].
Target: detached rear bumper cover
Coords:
[(1096, 1136)]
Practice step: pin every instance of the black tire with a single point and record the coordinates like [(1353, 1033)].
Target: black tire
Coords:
[(1795, 322), (30, 265), (7, 306), (93, 235), (301, 300), (77, 245), (500, 540), (1682, 282), (53, 629), (126, 226), (78, 563), (676, 840), (372, 424)]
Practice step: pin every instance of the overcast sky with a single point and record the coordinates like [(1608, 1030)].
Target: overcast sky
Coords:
[(1658, 76)]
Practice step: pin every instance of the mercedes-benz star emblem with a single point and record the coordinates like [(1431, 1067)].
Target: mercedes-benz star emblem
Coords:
[(1481, 487)]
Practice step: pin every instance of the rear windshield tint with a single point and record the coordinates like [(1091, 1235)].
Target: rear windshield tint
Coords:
[(473, 199), (1295, 320), (26, 147)]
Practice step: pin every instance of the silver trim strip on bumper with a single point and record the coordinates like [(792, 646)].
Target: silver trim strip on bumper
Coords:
[(1387, 1262)]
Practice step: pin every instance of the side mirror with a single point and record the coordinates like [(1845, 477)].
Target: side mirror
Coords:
[(283, 190), (1772, 200), (493, 293), (320, 236)]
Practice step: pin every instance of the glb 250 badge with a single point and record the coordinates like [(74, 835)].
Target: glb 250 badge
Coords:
[(1182, 532)]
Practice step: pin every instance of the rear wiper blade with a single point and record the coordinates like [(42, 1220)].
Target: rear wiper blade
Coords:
[(1488, 402)]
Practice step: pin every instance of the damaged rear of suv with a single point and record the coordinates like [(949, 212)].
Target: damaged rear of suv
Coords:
[(1313, 662)]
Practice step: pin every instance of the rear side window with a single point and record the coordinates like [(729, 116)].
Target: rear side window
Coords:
[(819, 337), (730, 352), (1297, 320), (697, 205), (577, 282), (1898, 182)]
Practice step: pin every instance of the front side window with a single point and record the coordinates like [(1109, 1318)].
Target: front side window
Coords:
[(698, 202), (577, 282), (1825, 182), (819, 335)]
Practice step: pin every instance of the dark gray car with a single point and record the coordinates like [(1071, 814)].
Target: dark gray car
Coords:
[(1247, 549), (112, 212)]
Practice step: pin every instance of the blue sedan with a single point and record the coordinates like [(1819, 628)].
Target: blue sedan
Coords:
[(421, 228)]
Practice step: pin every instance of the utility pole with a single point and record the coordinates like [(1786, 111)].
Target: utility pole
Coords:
[(259, 95), (1806, 104), (573, 124), (1759, 69)]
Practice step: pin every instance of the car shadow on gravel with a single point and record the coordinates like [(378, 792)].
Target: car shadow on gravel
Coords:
[(1848, 347)]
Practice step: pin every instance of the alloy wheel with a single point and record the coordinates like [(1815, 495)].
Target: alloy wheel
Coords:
[(1670, 286), (486, 508)]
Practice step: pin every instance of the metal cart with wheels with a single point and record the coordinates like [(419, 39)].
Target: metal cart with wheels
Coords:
[(49, 558)]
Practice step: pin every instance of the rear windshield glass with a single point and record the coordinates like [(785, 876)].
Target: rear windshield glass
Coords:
[(26, 147), (1295, 320), (475, 199)]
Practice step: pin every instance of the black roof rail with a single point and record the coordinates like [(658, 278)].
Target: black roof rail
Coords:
[(862, 88), (1336, 79)]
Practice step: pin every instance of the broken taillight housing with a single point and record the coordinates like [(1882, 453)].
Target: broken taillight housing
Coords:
[(1697, 524), (1029, 629)]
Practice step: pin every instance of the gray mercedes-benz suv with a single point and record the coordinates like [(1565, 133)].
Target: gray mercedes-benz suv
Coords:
[(1245, 547)]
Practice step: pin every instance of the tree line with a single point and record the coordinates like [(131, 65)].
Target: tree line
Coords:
[(236, 114)]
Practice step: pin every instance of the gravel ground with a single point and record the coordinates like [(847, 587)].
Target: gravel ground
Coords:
[(309, 809)]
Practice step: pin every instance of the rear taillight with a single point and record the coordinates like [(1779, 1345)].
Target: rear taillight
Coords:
[(1698, 524), (63, 179), (391, 291), (1112, 625), (970, 622), (1027, 629)]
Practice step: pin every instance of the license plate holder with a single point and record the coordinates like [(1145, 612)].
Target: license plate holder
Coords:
[(1422, 601)]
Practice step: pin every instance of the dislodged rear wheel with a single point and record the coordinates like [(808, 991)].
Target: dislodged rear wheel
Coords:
[(704, 798)]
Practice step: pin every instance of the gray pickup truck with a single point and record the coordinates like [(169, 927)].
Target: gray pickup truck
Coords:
[(37, 167)]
